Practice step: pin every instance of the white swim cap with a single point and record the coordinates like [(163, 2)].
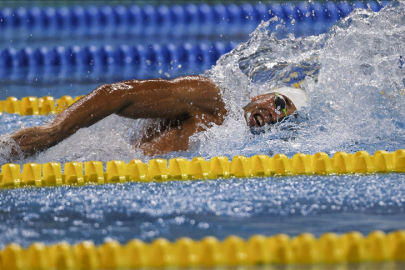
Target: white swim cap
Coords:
[(298, 96)]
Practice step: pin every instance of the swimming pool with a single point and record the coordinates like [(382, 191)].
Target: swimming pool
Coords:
[(360, 80)]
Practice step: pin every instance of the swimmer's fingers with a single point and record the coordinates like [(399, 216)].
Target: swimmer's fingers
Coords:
[(34, 139), (23, 139), (9, 150)]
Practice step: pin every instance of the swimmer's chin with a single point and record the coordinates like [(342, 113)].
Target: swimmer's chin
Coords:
[(260, 130), (267, 127)]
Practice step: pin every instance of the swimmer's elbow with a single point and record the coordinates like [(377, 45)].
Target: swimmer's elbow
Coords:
[(102, 88), (116, 95)]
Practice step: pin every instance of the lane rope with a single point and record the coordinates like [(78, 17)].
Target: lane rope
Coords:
[(36, 106), (143, 57), (280, 249), (177, 20), (181, 169)]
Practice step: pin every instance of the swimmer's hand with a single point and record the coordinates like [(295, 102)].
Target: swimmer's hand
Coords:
[(35, 139), (9, 150)]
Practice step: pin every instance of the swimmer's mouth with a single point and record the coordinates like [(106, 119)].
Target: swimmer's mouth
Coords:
[(258, 119)]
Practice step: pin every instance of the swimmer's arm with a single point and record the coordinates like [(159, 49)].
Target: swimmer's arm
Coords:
[(158, 98), (181, 97)]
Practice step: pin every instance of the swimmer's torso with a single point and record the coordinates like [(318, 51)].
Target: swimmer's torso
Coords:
[(194, 110), (173, 135)]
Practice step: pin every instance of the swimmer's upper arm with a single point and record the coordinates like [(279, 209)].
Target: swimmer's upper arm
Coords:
[(200, 95), (161, 98)]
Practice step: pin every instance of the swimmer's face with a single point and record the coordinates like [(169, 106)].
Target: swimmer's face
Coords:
[(262, 110)]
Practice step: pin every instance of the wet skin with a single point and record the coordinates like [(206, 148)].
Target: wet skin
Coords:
[(262, 110), (185, 105)]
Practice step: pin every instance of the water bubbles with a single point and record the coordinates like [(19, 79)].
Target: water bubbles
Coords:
[(203, 225), (367, 69)]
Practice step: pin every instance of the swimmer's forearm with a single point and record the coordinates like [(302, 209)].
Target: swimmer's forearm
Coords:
[(87, 111), (142, 98)]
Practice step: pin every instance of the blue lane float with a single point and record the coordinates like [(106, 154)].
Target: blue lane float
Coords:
[(176, 20), (106, 55), (123, 62)]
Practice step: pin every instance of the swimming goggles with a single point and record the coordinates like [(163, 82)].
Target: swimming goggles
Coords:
[(280, 103)]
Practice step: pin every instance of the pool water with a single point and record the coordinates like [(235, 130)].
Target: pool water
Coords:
[(354, 76), (195, 209)]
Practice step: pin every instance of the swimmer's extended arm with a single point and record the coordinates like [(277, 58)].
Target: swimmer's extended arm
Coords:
[(183, 98)]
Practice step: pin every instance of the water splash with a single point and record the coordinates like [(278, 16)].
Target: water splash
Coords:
[(353, 74)]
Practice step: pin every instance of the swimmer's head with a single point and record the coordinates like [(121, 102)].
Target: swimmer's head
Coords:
[(274, 106)]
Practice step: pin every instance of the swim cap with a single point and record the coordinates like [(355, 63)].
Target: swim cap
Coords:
[(298, 96)]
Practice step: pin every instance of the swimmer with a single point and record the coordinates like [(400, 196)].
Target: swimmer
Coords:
[(185, 105)]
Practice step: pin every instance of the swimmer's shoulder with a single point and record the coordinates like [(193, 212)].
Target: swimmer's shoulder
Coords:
[(193, 79)]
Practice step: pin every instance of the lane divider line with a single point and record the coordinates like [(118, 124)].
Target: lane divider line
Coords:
[(181, 169), (172, 20), (329, 249), (36, 106)]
